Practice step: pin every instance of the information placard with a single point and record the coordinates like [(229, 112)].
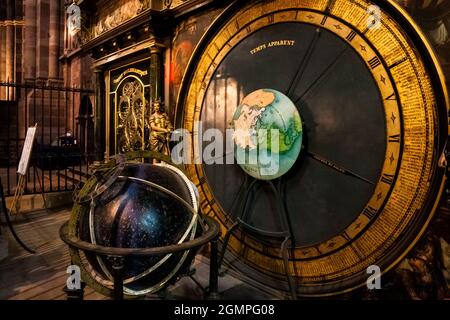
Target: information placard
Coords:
[(26, 152)]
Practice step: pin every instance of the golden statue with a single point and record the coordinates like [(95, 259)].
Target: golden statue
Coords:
[(161, 129)]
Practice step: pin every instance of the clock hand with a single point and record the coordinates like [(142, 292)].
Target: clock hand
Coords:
[(336, 167), (321, 77), (304, 63)]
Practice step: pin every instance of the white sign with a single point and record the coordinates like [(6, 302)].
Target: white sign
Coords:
[(26, 152)]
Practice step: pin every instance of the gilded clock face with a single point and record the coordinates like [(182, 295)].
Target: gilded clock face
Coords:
[(373, 112)]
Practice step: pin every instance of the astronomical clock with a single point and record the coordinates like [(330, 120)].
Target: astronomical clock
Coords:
[(361, 106), (316, 132)]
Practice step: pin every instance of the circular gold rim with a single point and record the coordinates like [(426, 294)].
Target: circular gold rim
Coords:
[(430, 52)]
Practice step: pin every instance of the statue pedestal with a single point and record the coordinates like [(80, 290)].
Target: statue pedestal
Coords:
[(3, 248)]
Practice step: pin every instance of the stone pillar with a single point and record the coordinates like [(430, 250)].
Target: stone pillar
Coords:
[(54, 41), (10, 68), (2, 61), (30, 40), (10, 45), (43, 11), (99, 116), (156, 75)]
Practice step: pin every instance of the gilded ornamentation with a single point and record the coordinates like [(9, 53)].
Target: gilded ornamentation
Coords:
[(127, 10), (170, 4), (114, 16), (131, 115)]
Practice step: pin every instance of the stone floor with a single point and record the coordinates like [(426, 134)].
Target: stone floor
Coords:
[(42, 276)]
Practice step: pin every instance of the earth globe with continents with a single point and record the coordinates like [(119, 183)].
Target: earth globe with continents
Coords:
[(135, 205), (267, 134)]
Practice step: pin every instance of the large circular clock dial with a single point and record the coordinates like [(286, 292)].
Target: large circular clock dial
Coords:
[(373, 112)]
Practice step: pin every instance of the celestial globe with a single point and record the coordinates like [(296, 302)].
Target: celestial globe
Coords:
[(144, 206)]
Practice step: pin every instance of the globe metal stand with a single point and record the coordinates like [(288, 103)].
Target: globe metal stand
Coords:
[(284, 236), (211, 234), (75, 294)]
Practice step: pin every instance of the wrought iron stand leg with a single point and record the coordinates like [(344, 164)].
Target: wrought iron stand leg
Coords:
[(117, 264), (214, 271), (291, 283), (75, 294), (240, 218), (225, 244)]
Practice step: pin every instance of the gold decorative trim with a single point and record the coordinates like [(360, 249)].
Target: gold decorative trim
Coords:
[(7, 23), (130, 70)]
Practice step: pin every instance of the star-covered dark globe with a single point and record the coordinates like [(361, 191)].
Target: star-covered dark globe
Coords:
[(147, 206)]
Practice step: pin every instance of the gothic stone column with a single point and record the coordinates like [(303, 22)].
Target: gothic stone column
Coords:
[(30, 31), (54, 41), (10, 45), (43, 11)]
